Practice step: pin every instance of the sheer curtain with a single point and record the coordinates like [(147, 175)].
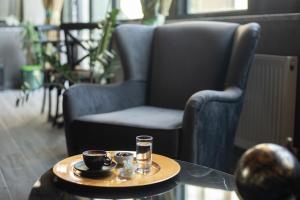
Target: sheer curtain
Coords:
[(10, 8), (53, 11)]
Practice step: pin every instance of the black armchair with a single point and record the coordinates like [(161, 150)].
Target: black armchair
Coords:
[(184, 85)]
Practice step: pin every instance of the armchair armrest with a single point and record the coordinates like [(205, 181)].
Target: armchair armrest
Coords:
[(85, 99), (209, 124)]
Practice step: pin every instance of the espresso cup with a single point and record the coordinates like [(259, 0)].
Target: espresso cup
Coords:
[(96, 159)]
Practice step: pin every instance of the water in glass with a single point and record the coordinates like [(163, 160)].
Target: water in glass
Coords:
[(144, 153)]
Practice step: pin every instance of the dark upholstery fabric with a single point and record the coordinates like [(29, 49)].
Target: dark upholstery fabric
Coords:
[(140, 116), (135, 44), (214, 138), (118, 129), (86, 99), (245, 42), (189, 57), (209, 124), (201, 67), (118, 137)]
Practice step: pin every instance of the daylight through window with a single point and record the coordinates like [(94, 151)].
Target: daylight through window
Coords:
[(206, 6)]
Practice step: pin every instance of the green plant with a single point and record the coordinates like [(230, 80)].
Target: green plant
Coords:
[(31, 45), (33, 53), (60, 71), (102, 55)]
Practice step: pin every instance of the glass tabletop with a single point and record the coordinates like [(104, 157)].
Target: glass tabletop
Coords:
[(193, 182)]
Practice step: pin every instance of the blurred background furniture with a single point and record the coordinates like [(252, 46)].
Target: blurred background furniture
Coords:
[(67, 59), (73, 40), (49, 38), (78, 43), (11, 55), (184, 85)]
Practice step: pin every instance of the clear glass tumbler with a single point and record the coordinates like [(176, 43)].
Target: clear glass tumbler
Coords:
[(144, 153)]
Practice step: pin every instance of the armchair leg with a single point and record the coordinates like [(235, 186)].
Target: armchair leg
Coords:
[(60, 124), (58, 94), (50, 118), (44, 100)]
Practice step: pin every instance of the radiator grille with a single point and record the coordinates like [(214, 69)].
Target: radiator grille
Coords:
[(269, 108)]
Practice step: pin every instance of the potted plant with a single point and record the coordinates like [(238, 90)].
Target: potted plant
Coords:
[(32, 74), (101, 58)]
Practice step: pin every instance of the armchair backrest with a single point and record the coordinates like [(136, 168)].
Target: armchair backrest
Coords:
[(177, 60), (134, 44), (189, 57)]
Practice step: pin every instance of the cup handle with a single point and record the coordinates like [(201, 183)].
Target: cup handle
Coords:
[(107, 161)]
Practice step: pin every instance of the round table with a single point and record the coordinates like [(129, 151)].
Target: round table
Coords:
[(193, 182)]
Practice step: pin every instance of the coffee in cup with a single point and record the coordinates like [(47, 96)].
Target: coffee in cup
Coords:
[(96, 159)]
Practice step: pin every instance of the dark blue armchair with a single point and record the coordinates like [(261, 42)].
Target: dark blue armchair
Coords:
[(184, 85)]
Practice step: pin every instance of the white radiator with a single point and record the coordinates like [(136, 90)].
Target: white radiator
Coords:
[(269, 107)]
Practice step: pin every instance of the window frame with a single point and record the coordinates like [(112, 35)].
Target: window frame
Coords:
[(179, 11), (215, 13), (182, 12)]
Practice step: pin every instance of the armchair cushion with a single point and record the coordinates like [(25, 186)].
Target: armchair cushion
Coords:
[(114, 129)]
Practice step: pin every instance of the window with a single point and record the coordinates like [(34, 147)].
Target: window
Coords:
[(130, 9), (85, 10), (207, 6), (99, 9)]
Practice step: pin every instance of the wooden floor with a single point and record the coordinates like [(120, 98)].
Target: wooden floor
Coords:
[(28, 145)]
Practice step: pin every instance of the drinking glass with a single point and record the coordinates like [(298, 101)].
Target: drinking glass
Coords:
[(144, 153)]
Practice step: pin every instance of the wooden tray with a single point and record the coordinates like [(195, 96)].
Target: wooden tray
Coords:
[(163, 168)]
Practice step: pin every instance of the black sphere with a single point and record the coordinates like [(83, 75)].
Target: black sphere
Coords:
[(268, 172)]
